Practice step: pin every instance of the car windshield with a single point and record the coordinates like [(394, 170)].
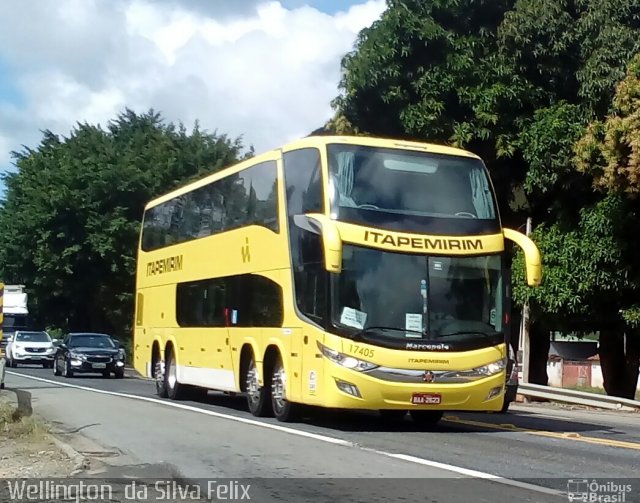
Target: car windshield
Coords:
[(414, 297), (33, 337), (91, 341)]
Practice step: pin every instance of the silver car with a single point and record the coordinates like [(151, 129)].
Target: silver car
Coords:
[(30, 347)]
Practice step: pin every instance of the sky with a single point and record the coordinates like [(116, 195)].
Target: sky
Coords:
[(266, 70)]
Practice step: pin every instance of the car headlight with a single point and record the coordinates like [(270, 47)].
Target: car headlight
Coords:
[(77, 356), (346, 361)]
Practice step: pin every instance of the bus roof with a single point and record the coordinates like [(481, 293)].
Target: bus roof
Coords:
[(313, 141)]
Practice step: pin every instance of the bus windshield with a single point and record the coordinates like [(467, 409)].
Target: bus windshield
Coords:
[(414, 297), (373, 185)]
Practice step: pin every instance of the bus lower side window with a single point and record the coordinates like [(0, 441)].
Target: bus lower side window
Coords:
[(245, 300)]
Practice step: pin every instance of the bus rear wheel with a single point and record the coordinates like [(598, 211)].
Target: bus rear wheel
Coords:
[(161, 383), (283, 409), (175, 390), (258, 397), (426, 417)]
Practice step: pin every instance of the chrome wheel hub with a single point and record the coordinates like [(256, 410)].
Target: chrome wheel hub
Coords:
[(172, 377), (253, 387), (159, 373), (278, 388)]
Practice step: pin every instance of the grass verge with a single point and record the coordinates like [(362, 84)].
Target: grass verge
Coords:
[(14, 425)]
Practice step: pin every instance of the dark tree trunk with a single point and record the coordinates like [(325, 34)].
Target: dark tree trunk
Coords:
[(539, 353), (612, 362), (632, 364)]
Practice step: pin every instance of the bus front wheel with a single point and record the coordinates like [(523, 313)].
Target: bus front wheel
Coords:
[(258, 398), (283, 409)]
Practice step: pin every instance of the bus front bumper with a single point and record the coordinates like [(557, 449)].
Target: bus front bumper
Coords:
[(349, 389)]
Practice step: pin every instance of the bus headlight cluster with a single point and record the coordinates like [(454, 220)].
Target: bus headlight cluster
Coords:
[(346, 361), (487, 370)]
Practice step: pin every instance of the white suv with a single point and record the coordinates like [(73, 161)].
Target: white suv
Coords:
[(30, 347)]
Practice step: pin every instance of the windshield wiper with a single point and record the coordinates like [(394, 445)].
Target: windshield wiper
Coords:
[(469, 332), (359, 334)]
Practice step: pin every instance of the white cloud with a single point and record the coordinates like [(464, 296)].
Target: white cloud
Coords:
[(262, 71)]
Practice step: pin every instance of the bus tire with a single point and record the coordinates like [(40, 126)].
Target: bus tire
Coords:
[(159, 377), (505, 406), (258, 397), (175, 390), (283, 409), (426, 417)]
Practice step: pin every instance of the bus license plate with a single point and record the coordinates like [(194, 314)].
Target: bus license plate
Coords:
[(426, 399), (99, 365)]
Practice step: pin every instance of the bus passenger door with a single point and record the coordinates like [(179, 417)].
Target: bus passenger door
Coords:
[(312, 365), (292, 345)]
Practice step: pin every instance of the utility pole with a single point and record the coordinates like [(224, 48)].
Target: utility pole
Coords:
[(523, 340)]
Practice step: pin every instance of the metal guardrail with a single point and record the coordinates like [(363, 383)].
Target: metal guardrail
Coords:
[(578, 397)]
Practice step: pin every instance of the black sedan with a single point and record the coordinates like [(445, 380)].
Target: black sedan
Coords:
[(89, 353)]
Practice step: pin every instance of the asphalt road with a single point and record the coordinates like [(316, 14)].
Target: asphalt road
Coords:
[(519, 456)]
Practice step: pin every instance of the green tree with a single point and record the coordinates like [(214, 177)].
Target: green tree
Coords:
[(71, 216), (609, 153)]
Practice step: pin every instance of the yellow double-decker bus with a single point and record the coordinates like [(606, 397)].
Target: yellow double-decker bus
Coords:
[(340, 272)]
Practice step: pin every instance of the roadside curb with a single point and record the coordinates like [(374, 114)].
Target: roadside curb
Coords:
[(80, 462)]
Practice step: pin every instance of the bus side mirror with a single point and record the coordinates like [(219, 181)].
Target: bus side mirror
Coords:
[(532, 258), (331, 240)]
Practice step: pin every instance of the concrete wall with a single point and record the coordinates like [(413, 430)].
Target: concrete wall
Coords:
[(569, 374)]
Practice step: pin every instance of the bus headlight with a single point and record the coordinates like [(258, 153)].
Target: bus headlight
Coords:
[(489, 369), (346, 361)]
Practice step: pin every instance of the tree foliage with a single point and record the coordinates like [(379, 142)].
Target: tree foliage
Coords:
[(70, 220), (610, 150)]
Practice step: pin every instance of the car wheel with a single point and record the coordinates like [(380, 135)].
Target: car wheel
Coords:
[(56, 368), (283, 409), (67, 371), (119, 373), (258, 398)]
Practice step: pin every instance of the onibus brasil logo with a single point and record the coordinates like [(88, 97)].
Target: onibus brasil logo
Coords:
[(591, 490)]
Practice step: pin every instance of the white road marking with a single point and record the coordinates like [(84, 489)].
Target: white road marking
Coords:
[(301, 433)]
